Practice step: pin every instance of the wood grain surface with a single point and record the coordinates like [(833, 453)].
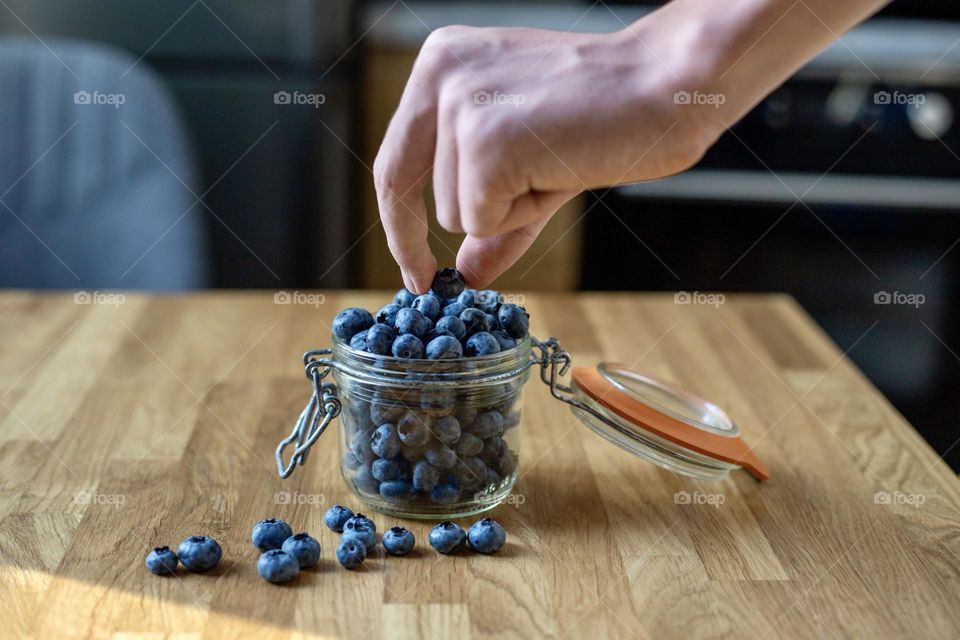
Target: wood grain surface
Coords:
[(131, 425)]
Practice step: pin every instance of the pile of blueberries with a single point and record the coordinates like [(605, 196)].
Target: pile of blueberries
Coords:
[(284, 554), (447, 322), (432, 447)]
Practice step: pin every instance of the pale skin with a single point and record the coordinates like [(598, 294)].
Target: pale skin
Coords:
[(512, 123)]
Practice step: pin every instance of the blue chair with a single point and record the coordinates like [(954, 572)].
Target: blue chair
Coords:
[(96, 173)]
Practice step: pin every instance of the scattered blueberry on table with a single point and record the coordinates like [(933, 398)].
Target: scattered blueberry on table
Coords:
[(278, 566), (364, 534), (486, 536), (304, 548), (162, 561), (336, 516), (351, 553), (447, 537), (270, 533), (398, 541), (199, 553)]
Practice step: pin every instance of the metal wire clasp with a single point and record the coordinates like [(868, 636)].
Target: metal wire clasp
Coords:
[(554, 363), (321, 409)]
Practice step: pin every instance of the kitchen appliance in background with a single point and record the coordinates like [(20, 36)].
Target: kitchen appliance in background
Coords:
[(275, 169), (842, 188)]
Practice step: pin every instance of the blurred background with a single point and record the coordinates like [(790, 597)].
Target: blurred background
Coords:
[(182, 144)]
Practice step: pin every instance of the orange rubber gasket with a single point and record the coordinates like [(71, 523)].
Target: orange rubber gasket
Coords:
[(728, 449)]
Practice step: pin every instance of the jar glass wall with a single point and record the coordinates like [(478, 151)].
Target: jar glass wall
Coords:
[(430, 438)]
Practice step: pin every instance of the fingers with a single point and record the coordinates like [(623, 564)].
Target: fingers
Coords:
[(445, 171)]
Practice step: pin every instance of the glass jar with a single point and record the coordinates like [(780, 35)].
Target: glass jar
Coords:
[(439, 439)]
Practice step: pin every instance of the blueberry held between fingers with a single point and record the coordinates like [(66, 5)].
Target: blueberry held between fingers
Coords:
[(277, 566), (199, 553), (408, 346), (161, 561), (481, 344), (444, 348), (304, 548), (398, 541), (514, 320), (448, 283), (379, 339), (335, 516), (350, 322), (486, 536), (270, 534), (351, 553), (447, 537)]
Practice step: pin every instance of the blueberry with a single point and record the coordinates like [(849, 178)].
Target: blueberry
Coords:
[(453, 325), (388, 314), (351, 553), (487, 301), (444, 348), (379, 339), (504, 340), (361, 446), (412, 429), (488, 423), (350, 322), (448, 283), (481, 344), (474, 321), (277, 566), (397, 490), (336, 516), (470, 472), (491, 479), (435, 333), (438, 402), (491, 450), (507, 463), (364, 480), (440, 456), (411, 321), (445, 493), (270, 534), (412, 454), (199, 553), (447, 429), (447, 537), (492, 322), (469, 445), (384, 469), (398, 541), (385, 442), (514, 320), (381, 412), (466, 414), (304, 548), (486, 536), (408, 347), (454, 309), (404, 298), (360, 521), (366, 537), (468, 297), (162, 561), (359, 341), (425, 476), (428, 304)]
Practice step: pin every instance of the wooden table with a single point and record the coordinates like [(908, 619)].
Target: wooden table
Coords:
[(136, 424)]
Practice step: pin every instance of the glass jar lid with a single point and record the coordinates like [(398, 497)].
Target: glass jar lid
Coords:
[(661, 422)]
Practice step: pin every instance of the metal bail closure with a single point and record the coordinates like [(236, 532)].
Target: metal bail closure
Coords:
[(662, 422), (322, 407)]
